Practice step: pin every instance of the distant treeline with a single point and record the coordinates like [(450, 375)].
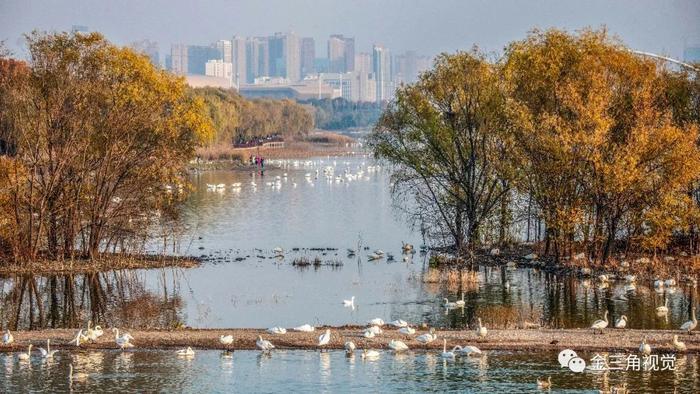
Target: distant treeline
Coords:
[(237, 119), (340, 114)]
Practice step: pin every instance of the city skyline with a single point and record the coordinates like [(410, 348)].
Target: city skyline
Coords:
[(426, 27)]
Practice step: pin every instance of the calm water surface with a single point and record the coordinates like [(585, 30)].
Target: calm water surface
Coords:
[(309, 371), (244, 285)]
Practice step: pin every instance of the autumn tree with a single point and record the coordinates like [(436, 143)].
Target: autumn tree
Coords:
[(99, 135), (443, 139)]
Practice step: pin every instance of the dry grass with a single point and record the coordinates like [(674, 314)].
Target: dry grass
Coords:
[(223, 152), (103, 263)]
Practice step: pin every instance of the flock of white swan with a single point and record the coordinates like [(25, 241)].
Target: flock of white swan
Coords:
[(329, 171)]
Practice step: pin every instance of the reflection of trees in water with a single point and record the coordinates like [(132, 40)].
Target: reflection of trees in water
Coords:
[(115, 298)]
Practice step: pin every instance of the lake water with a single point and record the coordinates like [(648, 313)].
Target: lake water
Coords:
[(312, 217), (310, 371)]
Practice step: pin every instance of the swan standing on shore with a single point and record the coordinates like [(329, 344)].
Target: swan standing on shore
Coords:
[(599, 325), (690, 325), (407, 330), (621, 322), (185, 352), (644, 348), (679, 346), (428, 337), (123, 341), (264, 344), (7, 338), (79, 337), (399, 323), (324, 338), (305, 328), (26, 356), (481, 331), (397, 346), (47, 353), (445, 354)]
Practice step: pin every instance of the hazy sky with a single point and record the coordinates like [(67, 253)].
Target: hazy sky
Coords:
[(662, 26)]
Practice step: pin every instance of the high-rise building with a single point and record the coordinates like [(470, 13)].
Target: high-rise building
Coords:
[(308, 55), (179, 59), (239, 60), (148, 48), (198, 56), (366, 85), (225, 51), (408, 66), (381, 68), (219, 68), (341, 53), (292, 56), (257, 58), (276, 56)]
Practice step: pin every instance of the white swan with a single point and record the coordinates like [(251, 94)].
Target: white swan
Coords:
[(690, 325), (349, 347), (185, 352), (98, 332), (124, 340), (76, 376), (428, 337), (399, 323), (324, 338), (376, 322), (460, 303), (644, 348), (407, 330), (226, 340), (90, 333), (397, 346), (370, 354), (264, 344), (621, 322), (679, 346), (7, 338), (445, 353), (481, 331), (47, 353), (26, 356), (375, 330), (304, 328), (350, 302), (662, 310), (379, 252), (368, 334), (599, 325), (79, 337), (448, 304), (277, 330), (467, 350)]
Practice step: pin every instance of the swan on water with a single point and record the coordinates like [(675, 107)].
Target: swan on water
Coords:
[(374, 256), (481, 331), (324, 338), (185, 352), (460, 303), (663, 309), (445, 353), (264, 344), (644, 348), (407, 330), (379, 252), (544, 384), (690, 325), (599, 325), (226, 340), (349, 347), (370, 354), (304, 328), (47, 353), (467, 350), (349, 303), (277, 330), (397, 346), (376, 322), (26, 356), (428, 337), (76, 375), (621, 322), (679, 346), (399, 323), (7, 338)]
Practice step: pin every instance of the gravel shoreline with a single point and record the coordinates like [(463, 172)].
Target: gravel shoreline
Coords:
[(244, 339)]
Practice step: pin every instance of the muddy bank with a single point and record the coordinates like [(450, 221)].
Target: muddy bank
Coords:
[(244, 339), (103, 263)]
